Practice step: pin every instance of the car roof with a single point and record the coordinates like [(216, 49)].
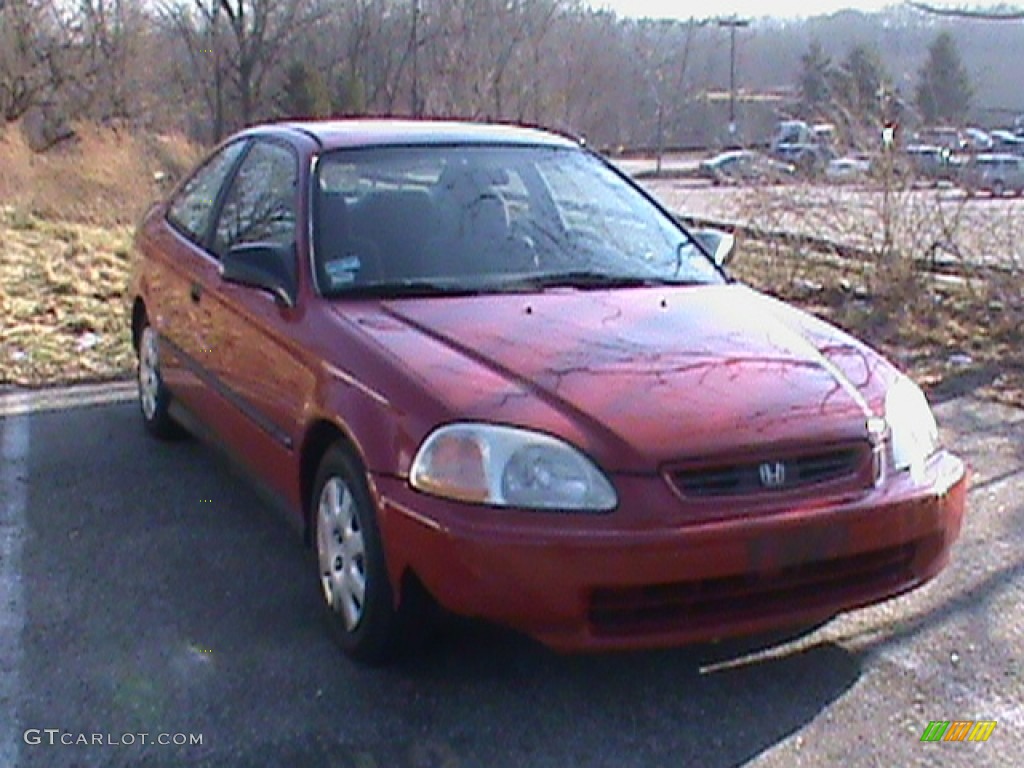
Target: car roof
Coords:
[(730, 154), (375, 132), (991, 157)]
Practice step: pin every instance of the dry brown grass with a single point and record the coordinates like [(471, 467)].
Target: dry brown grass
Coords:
[(65, 248), (62, 289), (102, 176)]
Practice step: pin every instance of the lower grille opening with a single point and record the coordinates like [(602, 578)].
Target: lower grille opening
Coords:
[(665, 607)]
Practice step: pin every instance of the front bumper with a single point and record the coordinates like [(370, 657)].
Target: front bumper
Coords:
[(630, 579)]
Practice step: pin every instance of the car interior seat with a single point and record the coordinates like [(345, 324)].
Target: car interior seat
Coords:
[(400, 222), (475, 221), (341, 256)]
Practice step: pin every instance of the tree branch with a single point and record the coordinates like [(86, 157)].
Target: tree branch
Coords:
[(966, 13)]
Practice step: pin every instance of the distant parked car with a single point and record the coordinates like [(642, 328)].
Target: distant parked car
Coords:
[(740, 166), (808, 148), (996, 173), (943, 137), (930, 163), (1007, 141), (978, 140), (848, 168)]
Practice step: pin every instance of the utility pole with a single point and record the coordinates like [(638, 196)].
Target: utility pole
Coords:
[(417, 109), (733, 23)]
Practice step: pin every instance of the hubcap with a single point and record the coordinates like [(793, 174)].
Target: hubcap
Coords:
[(149, 372), (340, 552)]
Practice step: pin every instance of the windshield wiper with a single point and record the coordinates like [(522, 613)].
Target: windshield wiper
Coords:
[(590, 279), (582, 279), (399, 288)]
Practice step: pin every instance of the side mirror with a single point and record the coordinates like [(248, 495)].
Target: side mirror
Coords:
[(268, 266), (719, 245)]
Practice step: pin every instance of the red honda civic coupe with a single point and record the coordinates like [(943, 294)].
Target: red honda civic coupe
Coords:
[(485, 371)]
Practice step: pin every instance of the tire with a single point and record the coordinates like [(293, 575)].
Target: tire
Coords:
[(357, 595), (154, 397), (998, 189)]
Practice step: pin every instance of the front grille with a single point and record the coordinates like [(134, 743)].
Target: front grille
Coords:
[(773, 474), (692, 605)]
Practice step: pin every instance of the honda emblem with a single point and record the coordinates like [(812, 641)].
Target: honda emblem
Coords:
[(773, 474)]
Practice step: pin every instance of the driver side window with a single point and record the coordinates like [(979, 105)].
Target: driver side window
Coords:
[(192, 208), (260, 206)]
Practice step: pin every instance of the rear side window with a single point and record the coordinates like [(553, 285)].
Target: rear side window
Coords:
[(260, 206), (192, 207)]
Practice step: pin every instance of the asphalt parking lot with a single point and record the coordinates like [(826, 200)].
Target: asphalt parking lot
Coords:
[(144, 588)]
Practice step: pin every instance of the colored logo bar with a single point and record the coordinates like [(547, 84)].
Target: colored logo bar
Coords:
[(958, 730)]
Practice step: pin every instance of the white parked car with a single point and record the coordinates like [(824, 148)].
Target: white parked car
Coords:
[(996, 173), (848, 168)]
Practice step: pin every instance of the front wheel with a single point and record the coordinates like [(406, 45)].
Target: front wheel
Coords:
[(354, 582), (154, 398)]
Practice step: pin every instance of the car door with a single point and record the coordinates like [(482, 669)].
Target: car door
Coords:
[(258, 363), (180, 266)]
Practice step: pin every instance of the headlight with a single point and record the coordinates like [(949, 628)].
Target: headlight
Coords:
[(914, 435), (509, 467)]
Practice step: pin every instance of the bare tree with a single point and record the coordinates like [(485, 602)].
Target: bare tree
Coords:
[(199, 30), (234, 47), (261, 30), (118, 33), (999, 14), (662, 61), (41, 47)]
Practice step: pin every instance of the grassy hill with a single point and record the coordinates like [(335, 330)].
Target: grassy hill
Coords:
[(65, 249)]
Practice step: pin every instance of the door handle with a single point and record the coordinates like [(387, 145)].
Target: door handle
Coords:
[(195, 292)]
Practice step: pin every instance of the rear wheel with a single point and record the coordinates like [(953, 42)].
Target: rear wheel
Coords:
[(353, 575), (154, 398), (998, 188)]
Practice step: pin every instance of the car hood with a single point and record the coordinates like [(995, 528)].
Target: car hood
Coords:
[(637, 377)]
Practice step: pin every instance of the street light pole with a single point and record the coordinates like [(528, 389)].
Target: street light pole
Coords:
[(416, 106), (733, 23)]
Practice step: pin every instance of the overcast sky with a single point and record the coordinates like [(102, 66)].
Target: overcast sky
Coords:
[(681, 9)]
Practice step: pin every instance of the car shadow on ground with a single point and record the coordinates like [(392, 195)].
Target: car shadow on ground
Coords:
[(708, 706)]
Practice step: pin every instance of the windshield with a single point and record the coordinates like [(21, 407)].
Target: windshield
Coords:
[(441, 219)]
